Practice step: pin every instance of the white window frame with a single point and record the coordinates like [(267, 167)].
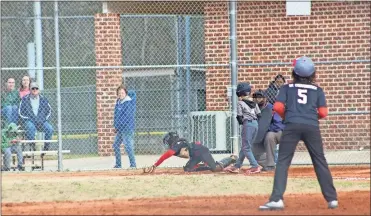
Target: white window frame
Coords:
[(298, 7)]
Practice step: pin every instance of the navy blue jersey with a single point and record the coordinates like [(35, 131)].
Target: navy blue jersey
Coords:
[(301, 102), (192, 147), (178, 146)]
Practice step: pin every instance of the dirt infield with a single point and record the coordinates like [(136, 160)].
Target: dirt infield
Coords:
[(351, 203), (355, 202), (343, 172)]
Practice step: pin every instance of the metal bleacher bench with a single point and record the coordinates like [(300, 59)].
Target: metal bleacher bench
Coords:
[(32, 154)]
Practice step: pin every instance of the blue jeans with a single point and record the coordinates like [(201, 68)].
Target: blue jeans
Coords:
[(10, 113), (8, 156), (248, 135), (31, 128), (128, 139)]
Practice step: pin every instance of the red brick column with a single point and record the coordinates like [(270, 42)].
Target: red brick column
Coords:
[(217, 52), (108, 53)]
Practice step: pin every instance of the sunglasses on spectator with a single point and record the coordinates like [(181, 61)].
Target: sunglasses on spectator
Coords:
[(35, 89)]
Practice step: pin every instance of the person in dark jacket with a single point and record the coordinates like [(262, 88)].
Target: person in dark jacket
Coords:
[(124, 123), (35, 112), (264, 122), (269, 133), (273, 88)]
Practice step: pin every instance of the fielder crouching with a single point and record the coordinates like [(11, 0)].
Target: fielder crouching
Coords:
[(194, 151)]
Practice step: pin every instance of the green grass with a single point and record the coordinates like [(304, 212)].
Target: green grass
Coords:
[(73, 156), (60, 188), (76, 156)]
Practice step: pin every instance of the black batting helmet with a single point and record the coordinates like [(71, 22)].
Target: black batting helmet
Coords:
[(243, 89), (170, 138)]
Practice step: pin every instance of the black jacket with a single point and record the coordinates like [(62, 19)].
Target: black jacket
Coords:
[(264, 123)]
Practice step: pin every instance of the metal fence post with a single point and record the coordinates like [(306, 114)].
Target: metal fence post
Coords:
[(57, 63), (39, 44), (233, 65), (179, 75), (31, 58), (188, 69)]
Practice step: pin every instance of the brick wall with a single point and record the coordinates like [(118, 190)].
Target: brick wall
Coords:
[(108, 53), (335, 31)]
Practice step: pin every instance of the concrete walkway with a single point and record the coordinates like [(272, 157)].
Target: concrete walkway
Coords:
[(105, 163)]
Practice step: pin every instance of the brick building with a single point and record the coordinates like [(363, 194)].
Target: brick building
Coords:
[(335, 31)]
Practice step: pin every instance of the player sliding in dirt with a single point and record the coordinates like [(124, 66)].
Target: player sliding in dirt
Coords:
[(196, 153)]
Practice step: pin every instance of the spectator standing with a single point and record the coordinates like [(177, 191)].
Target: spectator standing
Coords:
[(124, 123)]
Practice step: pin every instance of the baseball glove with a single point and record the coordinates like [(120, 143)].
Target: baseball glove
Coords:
[(150, 169), (184, 153)]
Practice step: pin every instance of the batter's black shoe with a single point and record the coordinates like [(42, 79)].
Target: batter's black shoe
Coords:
[(268, 169), (271, 205)]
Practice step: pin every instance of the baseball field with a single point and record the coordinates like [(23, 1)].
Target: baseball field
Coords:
[(173, 192)]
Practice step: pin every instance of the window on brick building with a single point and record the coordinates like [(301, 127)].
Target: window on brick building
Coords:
[(298, 7), (162, 96), (162, 40)]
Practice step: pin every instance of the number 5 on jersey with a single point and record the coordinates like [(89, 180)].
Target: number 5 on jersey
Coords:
[(302, 93)]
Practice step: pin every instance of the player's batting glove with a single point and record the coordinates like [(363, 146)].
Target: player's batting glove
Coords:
[(150, 169)]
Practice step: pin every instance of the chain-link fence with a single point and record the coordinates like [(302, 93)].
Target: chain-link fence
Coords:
[(175, 56)]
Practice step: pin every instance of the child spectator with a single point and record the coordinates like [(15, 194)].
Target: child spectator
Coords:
[(9, 144)]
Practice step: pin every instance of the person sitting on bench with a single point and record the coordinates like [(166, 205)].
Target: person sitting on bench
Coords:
[(10, 144), (9, 103), (35, 112)]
